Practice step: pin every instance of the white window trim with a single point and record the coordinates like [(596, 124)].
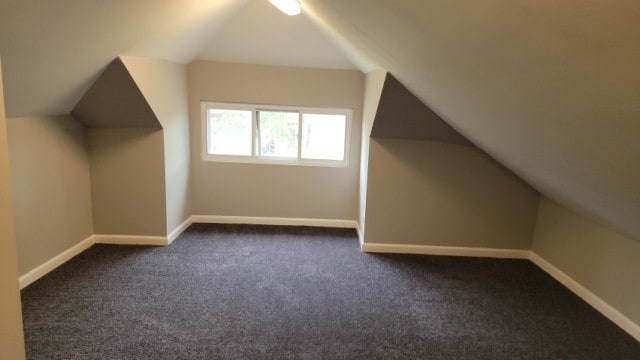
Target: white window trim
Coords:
[(257, 159)]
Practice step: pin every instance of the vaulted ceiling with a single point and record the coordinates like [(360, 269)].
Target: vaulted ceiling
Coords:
[(551, 89)]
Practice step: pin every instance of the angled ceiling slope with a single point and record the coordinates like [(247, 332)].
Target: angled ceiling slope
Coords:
[(551, 89), (52, 51), (115, 101), (259, 33), (401, 115)]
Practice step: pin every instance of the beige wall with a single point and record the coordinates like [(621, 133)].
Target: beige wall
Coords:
[(127, 181), (374, 82), (164, 85), (429, 193), (600, 259), (11, 337), (274, 190), (50, 173)]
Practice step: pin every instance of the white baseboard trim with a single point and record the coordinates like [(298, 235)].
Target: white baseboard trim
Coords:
[(179, 230), (42, 270), (132, 240), (215, 219), (445, 250), (585, 294)]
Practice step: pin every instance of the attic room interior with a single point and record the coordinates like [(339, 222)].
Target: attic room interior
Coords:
[(484, 202)]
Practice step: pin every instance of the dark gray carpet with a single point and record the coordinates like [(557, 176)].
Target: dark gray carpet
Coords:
[(256, 292)]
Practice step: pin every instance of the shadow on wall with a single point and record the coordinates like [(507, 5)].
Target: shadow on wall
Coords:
[(428, 185)]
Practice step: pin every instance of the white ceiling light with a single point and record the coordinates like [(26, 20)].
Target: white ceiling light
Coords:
[(289, 7)]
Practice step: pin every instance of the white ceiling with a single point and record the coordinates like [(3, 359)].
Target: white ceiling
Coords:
[(549, 88), (53, 50), (262, 34)]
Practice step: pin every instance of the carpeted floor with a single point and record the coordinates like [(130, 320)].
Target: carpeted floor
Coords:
[(269, 292)]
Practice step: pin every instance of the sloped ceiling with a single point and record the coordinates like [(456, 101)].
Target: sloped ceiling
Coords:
[(52, 51), (262, 34), (549, 88)]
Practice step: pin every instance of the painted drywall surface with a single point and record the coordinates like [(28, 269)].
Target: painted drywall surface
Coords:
[(600, 259), (538, 85), (11, 335), (270, 37), (401, 115), (274, 190), (52, 54), (50, 173), (374, 82), (430, 193), (164, 85), (127, 181), (114, 101)]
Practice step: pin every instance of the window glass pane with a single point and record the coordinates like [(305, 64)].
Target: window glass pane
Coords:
[(323, 136), (278, 133), (229, 132)]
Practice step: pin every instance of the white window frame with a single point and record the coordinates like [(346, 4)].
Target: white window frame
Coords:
[(255, 158)]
